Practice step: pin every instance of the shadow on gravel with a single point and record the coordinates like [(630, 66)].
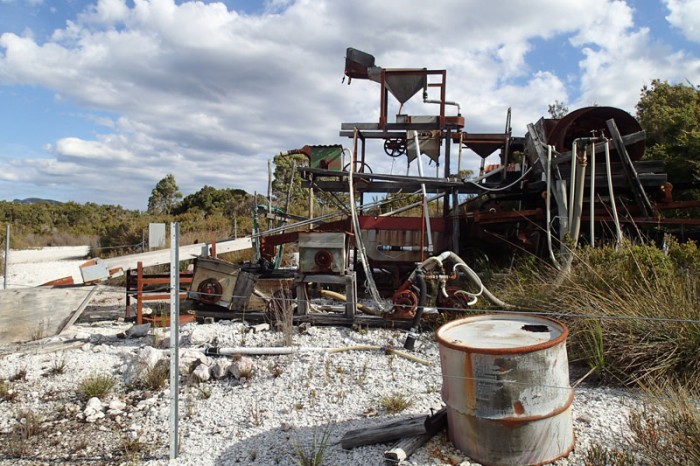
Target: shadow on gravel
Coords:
[(279, 448)]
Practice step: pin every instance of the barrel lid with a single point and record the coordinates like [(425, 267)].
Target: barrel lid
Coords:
[(502, 333)]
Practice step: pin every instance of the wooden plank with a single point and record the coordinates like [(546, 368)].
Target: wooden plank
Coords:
[(162, 256), (632, 178), (79, 311), (33, 313)]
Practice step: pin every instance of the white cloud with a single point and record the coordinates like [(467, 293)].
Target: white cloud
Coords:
[(211, 94), (685, 15)]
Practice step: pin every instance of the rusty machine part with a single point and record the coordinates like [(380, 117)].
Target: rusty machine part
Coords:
[(585, 121), (454, 300), (405, 305), (209, 291), (323, 259)]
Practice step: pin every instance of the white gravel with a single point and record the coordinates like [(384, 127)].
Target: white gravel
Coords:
[(288, 401)]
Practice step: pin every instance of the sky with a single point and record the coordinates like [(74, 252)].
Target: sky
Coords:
[(101, 99)]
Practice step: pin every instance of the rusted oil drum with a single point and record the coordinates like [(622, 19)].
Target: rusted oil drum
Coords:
[(505, 381)]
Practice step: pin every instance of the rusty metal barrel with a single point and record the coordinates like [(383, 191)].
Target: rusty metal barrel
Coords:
[(506, 386)]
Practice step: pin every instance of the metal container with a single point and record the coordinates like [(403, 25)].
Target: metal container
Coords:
[(322, 252), (506, 386)]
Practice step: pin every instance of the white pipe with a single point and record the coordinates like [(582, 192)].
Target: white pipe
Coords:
[(447, 102), (592, 194), (572, 175), (280, 350), (459, 158), (425, 194), (618, 230), (578, 201), (549, 209)]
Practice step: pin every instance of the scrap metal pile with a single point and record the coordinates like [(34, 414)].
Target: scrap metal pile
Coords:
[(579, 179)]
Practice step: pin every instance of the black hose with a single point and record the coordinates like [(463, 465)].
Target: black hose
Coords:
[(422, 298)]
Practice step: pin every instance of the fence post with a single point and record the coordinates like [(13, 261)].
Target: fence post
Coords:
[(174, 336), (7, 256)]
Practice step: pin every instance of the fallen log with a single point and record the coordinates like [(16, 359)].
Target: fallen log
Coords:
[(394, 430), (405, 447)]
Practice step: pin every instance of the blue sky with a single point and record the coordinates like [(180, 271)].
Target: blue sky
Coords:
[(100, 99)]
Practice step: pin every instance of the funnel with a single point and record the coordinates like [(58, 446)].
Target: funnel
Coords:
[(402, 83)]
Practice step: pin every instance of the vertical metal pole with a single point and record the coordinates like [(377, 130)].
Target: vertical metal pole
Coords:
[(7, 256), (174, 336), (269, 194)]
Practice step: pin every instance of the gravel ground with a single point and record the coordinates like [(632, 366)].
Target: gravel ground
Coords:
[(285, 403)]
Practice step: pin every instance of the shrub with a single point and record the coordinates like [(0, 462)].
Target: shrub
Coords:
[(97, 385), (667, 431), (633, 312)]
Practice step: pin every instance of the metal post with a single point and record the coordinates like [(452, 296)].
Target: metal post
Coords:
[(174, 336), (7, 256)]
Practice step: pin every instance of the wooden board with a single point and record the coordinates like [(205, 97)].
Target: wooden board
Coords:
[(33, 313)]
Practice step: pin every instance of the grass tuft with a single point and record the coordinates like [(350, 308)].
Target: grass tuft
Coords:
[(314, 452), (96, 385), (156, 377), (395, 403), (58, 366), (28, 425), (6, 391), (20, 375)]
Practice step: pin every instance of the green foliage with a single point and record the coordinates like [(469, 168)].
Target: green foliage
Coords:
[(598, 455), (666, 431), (210, 201), (282, 177), (59, 224), (670, 115), (634, 310), (164, 196), (557, 110)]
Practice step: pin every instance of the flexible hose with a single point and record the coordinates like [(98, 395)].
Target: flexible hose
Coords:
[(475, 278), (613, 205), (410, 342), (549, 208), (341, 297)]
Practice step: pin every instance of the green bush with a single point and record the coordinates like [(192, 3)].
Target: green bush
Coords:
[(633, 312)]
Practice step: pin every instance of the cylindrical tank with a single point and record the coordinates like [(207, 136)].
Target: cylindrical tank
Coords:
[(506, 386)]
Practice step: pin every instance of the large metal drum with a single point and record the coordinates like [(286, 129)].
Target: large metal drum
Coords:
[(506, 386)]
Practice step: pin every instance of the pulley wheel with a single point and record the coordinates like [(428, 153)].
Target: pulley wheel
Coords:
[(209, 291), (395, 147), (323, 259)]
